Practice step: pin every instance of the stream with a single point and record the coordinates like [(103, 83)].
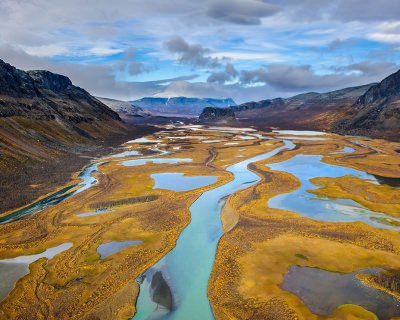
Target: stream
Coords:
[(178, 282), (87, 181), (176, 286)]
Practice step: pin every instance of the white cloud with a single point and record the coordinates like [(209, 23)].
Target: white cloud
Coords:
[(248, 34), (50, 50), (234, 55), (384, 37), (388, 32), (103, 51)]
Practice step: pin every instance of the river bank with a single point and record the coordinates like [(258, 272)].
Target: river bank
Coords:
[(36, 179), (156, 208)]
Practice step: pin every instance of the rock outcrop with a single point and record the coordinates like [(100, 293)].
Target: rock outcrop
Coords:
[(376, 113), (43, 95), (214, 115)]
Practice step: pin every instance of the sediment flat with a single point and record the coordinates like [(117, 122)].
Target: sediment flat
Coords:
[(258, 246)]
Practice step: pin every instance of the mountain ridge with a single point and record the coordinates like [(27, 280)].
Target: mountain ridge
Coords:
[(46, 125), (189, 106), (328, 111), (43, 95), (376, 112)]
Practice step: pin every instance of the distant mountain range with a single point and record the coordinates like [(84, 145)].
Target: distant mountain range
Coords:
[(46, 122), (370, 110), (313, 110), (180, 106)]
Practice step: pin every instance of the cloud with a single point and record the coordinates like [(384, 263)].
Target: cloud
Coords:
[(339, 43), (128, 63), (288, 77), (388, 32), (247, 49), (366, 10), (243, 55), (99, 80), (340, 10), (243, 12), (378, 70), (46, 50), (228, 74), (285, 77), (191, 54)]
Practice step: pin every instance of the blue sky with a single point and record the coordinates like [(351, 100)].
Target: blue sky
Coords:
[(244, 49)]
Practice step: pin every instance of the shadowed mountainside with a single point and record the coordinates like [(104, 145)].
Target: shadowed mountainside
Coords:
[(317, 111), (376, 112), (46, 123), (370, 110)]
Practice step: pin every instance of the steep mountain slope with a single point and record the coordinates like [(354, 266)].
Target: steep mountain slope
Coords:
[(45, 124), (376, 112), (180, 106), (317, 111)]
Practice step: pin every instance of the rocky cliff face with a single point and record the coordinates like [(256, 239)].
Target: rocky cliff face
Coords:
[(46, 80), (43, 95), (214, 115), (46, 123), (376, 112)]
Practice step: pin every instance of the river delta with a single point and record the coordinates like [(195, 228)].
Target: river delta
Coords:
[(198, 222)]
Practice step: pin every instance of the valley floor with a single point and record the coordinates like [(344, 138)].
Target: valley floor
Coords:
[(202, 222), (34, 178)]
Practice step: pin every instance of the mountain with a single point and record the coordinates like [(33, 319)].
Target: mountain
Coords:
[(312, 110), (125, 109), (180, 106), (42, 95), (216, 115), (46, 123), (375, 113)]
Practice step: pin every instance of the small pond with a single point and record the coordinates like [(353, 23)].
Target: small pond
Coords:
[(323, 291), (144, 140), (126, 154), (13, 269), (177, 181), (93, 213), (306, 167), (140, 162), (109, 248)]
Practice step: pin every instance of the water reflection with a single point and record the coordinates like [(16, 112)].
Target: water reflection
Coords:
[(179, 182), (323, 291)]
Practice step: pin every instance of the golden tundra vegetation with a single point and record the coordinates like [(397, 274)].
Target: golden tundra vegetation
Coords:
[(256, 250)]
